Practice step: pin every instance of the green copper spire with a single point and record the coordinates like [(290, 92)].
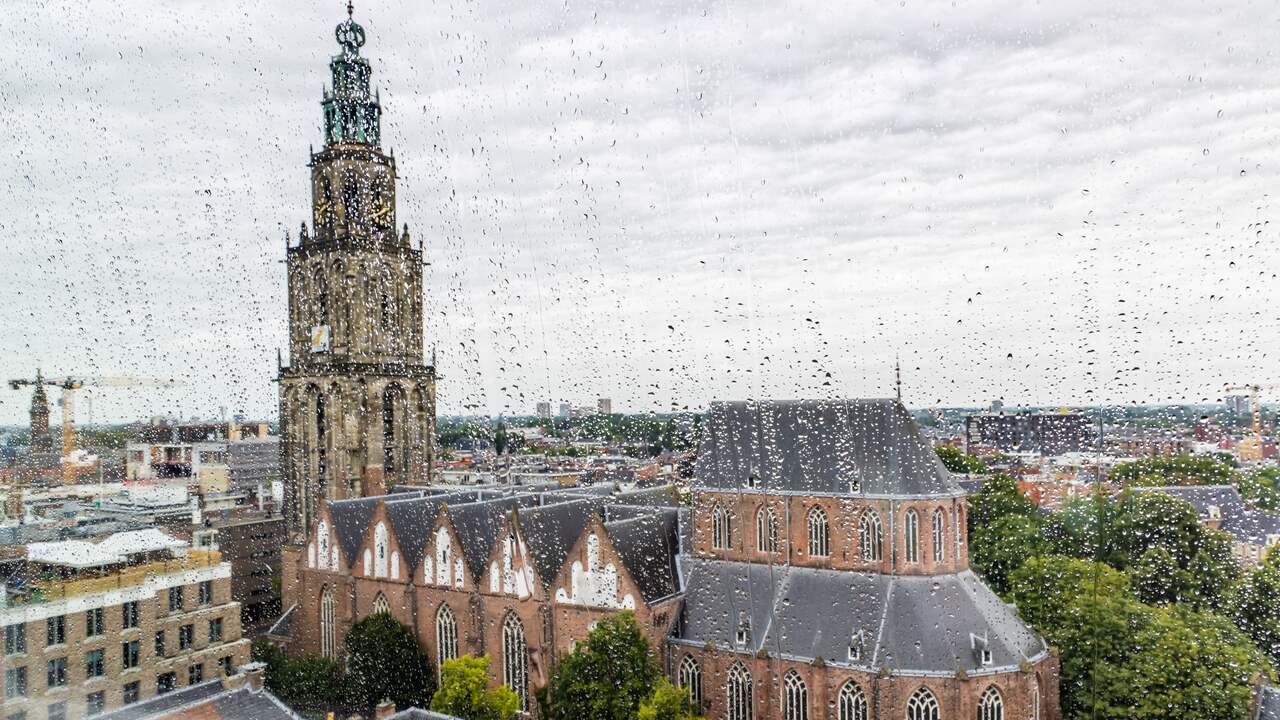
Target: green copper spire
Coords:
[(351, 113)]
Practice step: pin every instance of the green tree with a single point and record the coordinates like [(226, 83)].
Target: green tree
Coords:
[(955, 460), (1123, 659), (667, 702), (1259, 487), (1001, 547), (607, 676), (384, 662), (1255, 608), (1174, 470), (309, 683), (464, 692)]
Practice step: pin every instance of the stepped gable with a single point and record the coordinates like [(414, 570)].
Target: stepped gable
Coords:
[(911, 624), (551, 530), (820, 446), (648, 544)]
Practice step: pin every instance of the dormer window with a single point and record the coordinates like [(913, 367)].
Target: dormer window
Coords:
[(753, 479), (981, 648), (855, 486), (855, 646), (1215, 512), (1272, 539), (743, 635)]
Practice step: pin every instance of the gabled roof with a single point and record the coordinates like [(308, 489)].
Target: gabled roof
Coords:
[(908, 623), (477, 524), (350, 519), (1225, 497), (648, 545), (820, 446), (412, 521), (551, 530), (1268, 703), (209, 699)]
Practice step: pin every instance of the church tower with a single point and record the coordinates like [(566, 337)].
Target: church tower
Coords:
[(357, 399), (40, 440)]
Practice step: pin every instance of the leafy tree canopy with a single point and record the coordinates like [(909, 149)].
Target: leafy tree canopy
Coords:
[(464, 692), (1174, 470), (308, 683), (955, 460), (384, 662), (668, 702), (607, 676)]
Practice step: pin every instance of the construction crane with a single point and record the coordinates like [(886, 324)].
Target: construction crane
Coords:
[(1253, 450), (69, 386)]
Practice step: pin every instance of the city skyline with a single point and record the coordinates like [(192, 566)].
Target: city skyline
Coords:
[(714, 203)]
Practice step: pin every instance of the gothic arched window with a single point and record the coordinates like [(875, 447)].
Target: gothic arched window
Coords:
[(328, 611), (691, 679), (515, 661), (922, 705), (766, 530), (911, 536), (446, 635), (389, 428), (738, 694), (852, 702), (721, 528), (320, 436), (795, 697), (991, 706), (872, 533), (939, 535), (380, 541), (819, 533), (380, 605)]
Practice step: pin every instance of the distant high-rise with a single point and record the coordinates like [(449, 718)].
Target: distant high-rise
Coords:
[(40, 440), (566, 410), (544, 410), (604, 406)]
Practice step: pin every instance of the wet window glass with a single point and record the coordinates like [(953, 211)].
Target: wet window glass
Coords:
[(843, 361)]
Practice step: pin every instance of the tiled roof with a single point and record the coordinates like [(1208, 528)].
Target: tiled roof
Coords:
[(820, 446), (207, 700)]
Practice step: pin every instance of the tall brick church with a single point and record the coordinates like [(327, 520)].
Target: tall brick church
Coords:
[(817, 570), (357, 400)]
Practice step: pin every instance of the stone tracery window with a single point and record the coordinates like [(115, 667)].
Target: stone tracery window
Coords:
[(923, 705), (690, 679), (911, 536), (515, 661), (380, 605), (939, 536), (738, 694), (766, 530), (327, 614), (795, 697), (852, 702), (446, 635), (872, 536), (721, 528), (819, 533), (991, 706)]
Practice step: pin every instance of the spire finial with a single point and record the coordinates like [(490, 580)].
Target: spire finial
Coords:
[(897, 372), (350, 9)]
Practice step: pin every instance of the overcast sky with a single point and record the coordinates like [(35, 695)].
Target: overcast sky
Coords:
[(662, 202)]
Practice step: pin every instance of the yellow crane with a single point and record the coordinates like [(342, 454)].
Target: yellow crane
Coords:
[(69, 386), (1251, 448)]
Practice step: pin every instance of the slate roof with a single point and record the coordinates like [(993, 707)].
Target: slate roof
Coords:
[(207, 700), (820, 446), (648, 545), (1251, 526), (412, 521), (911, 624), (1225, 497), (350, 519), (551, 530), (477, 525)]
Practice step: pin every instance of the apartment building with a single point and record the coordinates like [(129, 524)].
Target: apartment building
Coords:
[(91, 626)]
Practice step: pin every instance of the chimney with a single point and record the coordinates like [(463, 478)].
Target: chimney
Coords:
[(253, 673), (385, 710)]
